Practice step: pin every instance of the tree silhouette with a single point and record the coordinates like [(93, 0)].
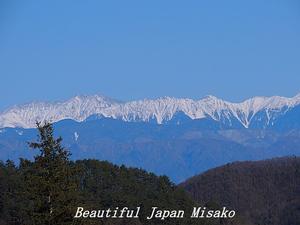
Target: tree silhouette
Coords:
[(51, 182)]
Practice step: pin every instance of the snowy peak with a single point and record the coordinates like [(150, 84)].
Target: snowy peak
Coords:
[(162, 109), (77, 108)]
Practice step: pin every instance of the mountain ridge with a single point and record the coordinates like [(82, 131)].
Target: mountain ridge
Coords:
[(161, 110)]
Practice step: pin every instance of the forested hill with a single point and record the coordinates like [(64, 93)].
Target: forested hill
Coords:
[(49, 189), (100, 185), (263, 192)]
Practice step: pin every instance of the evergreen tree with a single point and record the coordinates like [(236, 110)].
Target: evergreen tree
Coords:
[(51, 182)]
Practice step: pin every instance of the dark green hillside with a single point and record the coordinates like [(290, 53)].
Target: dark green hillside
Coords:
[(48, 190), (263, 192), (101, 185), (105, 185)]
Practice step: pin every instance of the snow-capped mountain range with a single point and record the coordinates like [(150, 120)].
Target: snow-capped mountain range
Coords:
[(160, 134), (161, 110)]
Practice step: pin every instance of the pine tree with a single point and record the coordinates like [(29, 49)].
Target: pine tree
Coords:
[(51, 182)]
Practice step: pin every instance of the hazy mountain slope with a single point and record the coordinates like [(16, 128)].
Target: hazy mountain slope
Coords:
[(180, 148)]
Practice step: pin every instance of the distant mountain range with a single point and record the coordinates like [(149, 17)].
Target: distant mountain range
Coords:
[(257, 112), (176, 137)]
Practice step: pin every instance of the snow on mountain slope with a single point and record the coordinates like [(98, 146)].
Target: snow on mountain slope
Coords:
[(77, 108), (162, 109)]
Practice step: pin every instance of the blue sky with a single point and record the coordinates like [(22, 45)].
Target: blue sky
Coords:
[(52, 50)]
